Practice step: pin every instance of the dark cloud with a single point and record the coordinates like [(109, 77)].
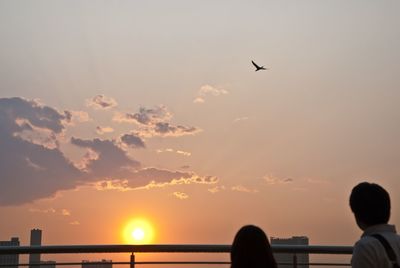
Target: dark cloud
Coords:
[(165, 129), (133, 140), (29, 113), (155, 122), (111, 160), (101, 102), (146, 116), (31, 171)]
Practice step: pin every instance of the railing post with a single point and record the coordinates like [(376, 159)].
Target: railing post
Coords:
[(294, 261), (132, 260)]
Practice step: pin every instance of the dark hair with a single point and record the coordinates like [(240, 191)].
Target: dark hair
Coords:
[(251, 249), (370, 203)]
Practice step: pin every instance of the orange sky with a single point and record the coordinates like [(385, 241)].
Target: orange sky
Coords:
[(110, 111)]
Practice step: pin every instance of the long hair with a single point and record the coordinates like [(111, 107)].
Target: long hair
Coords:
[(251, 249)]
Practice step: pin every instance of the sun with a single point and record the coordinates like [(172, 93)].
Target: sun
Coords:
[(138, 231)]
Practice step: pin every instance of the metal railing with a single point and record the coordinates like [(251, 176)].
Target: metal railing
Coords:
[(75, 249)]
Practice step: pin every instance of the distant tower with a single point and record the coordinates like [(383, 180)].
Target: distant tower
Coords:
[(12, 260), (288, 258), (36, 240)]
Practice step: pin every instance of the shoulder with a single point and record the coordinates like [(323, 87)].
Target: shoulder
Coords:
[(367, 252)]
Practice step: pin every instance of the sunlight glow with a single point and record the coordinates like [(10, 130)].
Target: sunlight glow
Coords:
[(138, 231)]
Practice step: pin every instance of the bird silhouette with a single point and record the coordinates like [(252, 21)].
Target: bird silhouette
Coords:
[(258, 68)]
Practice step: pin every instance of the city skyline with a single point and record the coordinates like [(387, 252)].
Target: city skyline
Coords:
[(130, 122)]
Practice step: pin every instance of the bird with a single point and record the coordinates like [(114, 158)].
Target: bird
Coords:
[(258, 68)]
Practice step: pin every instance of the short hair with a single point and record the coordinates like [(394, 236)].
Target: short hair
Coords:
[(370, 203), (251, 249)]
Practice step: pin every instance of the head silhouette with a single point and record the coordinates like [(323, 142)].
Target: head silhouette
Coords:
[(251, 249), (370, 204)]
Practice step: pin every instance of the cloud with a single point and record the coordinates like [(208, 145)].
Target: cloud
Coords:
[(217, 189), (133, 140), (30, 169), (75, 223), (33, 166), (169, 150), (148, 178), (101, 102), (181, 195), (145, 116), (241, 188), (269, 179), (183, 153), (111, 160), (239, 119), (75, 117), (65, 212), (103, 130), (167, 130), (155, 122), (208, 90)]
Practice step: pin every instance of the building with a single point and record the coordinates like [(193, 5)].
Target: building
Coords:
[(286, 260), (36, 240), (12, 260), (97, 264)]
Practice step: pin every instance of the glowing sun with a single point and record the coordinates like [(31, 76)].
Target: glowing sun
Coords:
[(138, 231)]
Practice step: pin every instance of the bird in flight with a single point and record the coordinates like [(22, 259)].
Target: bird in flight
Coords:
[(258, 68)]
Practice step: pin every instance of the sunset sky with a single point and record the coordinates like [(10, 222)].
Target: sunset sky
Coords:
[(118, 110)]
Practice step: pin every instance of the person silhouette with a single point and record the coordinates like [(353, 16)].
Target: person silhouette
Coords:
[(251, 249), (379, 245)]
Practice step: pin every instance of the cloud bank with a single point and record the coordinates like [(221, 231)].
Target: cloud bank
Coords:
[(31, 170), (34, 167)]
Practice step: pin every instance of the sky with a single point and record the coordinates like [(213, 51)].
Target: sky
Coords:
[(118, 110)]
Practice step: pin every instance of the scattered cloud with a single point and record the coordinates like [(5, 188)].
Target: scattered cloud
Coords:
[(239, 119), (241, 188), (183, 153), (169, 150), (216, 189), (133, 140), (118, 185), (65, 212), (145, 116), (165, 129), (269, 179), (103, 130), (101, 102), (75, 117), (154, 122), (149, 178), (208, 90), (181, 195)]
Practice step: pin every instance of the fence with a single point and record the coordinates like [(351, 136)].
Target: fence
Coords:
[(71, 249)]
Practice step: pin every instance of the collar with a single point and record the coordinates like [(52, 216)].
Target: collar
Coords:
[(379, 228)]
